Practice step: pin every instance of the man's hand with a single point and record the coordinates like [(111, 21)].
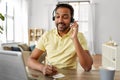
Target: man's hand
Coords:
[(49, 70), (74, 28)]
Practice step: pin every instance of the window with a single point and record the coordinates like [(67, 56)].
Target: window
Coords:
[(8, 11), (81, 14), (16, 20), (9, 23)]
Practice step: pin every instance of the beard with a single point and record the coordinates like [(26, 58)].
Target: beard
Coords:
[(62, 26)]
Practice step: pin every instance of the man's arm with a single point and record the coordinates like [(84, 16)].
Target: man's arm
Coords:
[(84, 56), (36, 65), (33, 60)]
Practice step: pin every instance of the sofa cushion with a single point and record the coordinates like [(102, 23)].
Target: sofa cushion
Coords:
[(24, 47), (7, 48)]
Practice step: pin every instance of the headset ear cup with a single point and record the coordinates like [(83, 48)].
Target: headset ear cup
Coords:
[(53, 18), (72, 19)]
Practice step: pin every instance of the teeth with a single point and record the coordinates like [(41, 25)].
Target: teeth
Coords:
[(60, 25)]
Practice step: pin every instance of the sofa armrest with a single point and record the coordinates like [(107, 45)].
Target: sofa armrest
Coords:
[(25, 55)]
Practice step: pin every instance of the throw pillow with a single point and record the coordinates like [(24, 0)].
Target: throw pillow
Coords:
[(32, 47), (24, 47), (15, 49), (7, 48)]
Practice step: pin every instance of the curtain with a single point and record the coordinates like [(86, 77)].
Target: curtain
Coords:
[(91, 27), (21, 21)]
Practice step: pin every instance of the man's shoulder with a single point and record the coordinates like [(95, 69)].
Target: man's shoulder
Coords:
[(49, 32), (80, 33)]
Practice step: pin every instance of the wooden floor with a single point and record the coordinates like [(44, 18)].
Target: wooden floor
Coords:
[(97, 60)]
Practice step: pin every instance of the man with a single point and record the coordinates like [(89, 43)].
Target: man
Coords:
[(62, 45)]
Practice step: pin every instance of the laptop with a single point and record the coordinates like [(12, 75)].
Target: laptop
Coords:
[(12, 66)]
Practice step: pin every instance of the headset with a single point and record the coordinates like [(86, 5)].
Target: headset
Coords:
[(72, 19)]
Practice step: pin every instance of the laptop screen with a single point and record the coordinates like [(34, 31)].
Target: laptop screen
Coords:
[(12, 66)]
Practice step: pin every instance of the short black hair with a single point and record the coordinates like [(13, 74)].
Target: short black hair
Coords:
[(65, 6)]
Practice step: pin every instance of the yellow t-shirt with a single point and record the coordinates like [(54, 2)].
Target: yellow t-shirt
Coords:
[(60, 50)]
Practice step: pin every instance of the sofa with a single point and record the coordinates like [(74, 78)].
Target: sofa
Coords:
[(24, 48), (17, 46)]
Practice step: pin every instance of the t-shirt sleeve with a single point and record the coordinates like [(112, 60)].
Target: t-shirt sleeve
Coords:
[(83, 41), (41, 42)]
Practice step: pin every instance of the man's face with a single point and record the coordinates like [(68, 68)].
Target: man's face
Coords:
[(62, 19)]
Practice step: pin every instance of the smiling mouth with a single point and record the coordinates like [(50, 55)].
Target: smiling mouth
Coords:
[(61, 25)]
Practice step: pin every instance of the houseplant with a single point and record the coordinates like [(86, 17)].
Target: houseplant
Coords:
[(1, 18), (1, 27)]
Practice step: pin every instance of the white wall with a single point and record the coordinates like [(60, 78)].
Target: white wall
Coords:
[(107, 22), (107, 19), (39, 15)]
